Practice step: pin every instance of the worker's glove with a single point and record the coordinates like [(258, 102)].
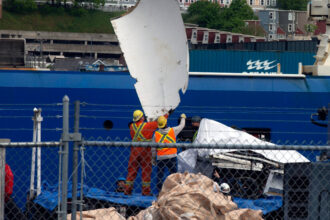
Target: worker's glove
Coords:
[(183, 115)]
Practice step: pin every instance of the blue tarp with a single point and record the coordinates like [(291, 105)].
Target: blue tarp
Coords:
[(266, 205), (49, 198)]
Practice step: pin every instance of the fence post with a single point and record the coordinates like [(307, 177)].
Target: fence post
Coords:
[(33, 155), (75, 161), (2, 178), (65, 153), (39, 119), (328, 124)]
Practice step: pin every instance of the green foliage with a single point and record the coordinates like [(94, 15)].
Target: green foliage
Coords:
[(93, 21), (78, 11), (20, 6), (48, 9), (256, 31), (203, 13), (211, 15), (310, 28), (98, 2), (300, 5), (240, 9)]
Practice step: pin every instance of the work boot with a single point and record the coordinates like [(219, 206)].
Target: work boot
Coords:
[(128, 188), (146, 191)]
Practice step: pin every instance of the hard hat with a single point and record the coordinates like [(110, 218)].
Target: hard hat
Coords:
[(196, 118), (224, 188), (121, 179), (137, 115), (161, 122)]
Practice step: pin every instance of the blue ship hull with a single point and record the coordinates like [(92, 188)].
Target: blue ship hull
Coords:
[(283, 105)]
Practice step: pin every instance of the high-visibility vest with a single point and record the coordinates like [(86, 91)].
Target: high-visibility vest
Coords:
[(138, 136), (165, 138)]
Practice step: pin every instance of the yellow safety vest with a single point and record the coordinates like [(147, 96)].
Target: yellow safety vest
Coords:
[(165, 138), (138, 136)]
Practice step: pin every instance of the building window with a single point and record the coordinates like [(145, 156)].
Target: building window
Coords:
[(273, 2), (221, 1), (268, 2), (229, 40), (270, 36), (290, 27), (251, 2), (227, 2), (262, 2), (291, 16), (206, 37), (217, 39), (272, 15), (271, 27), (194, 35)]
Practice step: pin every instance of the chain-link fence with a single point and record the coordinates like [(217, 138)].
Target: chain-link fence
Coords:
[(94, 170)]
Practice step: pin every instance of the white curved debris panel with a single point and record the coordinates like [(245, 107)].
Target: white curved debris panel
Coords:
[(153, 39), (213, 132)]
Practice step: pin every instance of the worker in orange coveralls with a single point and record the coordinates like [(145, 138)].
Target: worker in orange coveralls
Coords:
[(141, 131)]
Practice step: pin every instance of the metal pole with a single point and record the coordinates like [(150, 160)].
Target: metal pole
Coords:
[(328, 125), (33, 156), (82, 180), (39, 120), (2, 178), (65, 153), (75, 161)]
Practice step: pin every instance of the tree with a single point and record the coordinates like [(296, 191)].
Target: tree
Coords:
[(203, 13), (232, 18), (300, 5), (242, 10), (211, 15), (310, 28), (20, 6), (256, 31)]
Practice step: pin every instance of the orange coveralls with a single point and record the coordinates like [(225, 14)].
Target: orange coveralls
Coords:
[(140, 156)]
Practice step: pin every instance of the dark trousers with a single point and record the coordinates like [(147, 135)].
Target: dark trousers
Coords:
[(12, 211), (170, 164)]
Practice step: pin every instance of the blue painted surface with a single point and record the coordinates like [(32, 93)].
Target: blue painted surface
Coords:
[(266, 205), (237, 61), (49, 198), (283, 105)]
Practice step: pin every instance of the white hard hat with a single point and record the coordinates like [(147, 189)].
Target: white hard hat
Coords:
[(224, 188)]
